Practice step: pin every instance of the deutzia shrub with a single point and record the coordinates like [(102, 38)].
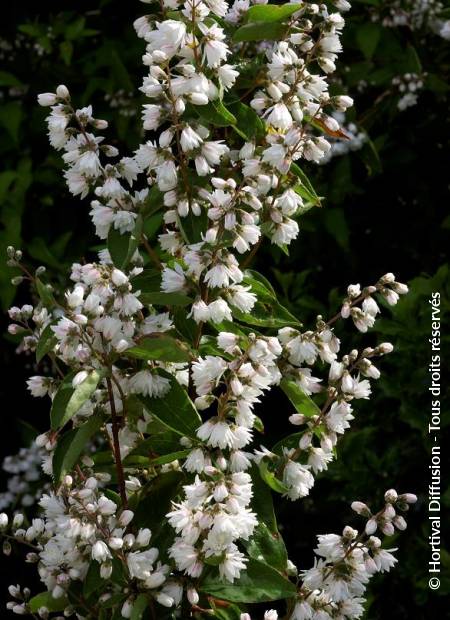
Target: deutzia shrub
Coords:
[(161, 498)]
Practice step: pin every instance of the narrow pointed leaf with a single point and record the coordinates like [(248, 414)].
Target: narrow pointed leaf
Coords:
[(68, 400), (71, 445), (175, 410)]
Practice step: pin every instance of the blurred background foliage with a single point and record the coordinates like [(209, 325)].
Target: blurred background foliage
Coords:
[(385, 209)]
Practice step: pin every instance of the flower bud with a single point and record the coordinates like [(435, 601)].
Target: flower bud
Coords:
[(371, 526), (46, 99), (391, 496), (192, 596), (62, 91), (126, 517)]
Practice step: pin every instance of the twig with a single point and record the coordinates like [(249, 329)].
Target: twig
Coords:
[(116, 445)]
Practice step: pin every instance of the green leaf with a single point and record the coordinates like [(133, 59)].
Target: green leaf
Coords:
[(160, 347), (47, 341), (248, 124), (267, 311), (262, 502), (216, 113), (367, 38), (165, 442), (169, 458), (270, 479), (231, 612), (148, 281), (8, 79), (71, 445), (122, 247), (93, 581), (175, 410), (301, 401), (139, 606), (271, 12), (66, 51), (45, 294), (260, 31), (68, 400), (156, 498), (258, 584), (290, 442), (157, 298), (305, 189), (268, 547), (45, 599)]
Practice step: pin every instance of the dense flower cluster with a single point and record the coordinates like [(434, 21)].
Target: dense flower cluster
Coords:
[(161, 368)]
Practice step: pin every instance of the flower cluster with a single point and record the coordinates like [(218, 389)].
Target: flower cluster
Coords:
[(154, 373), (215, 513), (417, 15), (335, 586), (408, 86)]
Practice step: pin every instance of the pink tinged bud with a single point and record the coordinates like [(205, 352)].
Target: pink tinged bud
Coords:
[(387, 529), (46, 99), (391, 496), (305, 441), (143, 537), (371, 526), (400, 523), (57, 592), (347, 382), (164, 599), (297, 419), (18, 520), (62, 91), (192, 596), (129, 540), (400, 288), (349, 533), (409, 498), (385, 348), (345, 311), (14, 591), (336, 370), (115, 543), (388, 277), (126, 517), (119, 278), (127, 609), (106, 570), (100, 552), (389, 512), (361, 509)]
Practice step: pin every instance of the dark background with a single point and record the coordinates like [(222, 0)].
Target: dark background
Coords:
[(385, 209)]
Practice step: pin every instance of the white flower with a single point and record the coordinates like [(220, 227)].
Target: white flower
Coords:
[(214, 50), (298, 479), (234, 562), (189, 139), (173, 280), (227, 76), (149, 384), (151, 116), (206, 373), (167, 176), (38, 386), (100, 552), (219, 311)]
